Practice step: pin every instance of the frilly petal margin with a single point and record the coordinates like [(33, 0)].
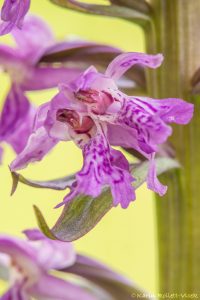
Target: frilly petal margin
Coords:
[(103, 167)]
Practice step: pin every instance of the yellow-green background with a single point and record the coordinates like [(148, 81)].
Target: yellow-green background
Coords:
[(124, 239)]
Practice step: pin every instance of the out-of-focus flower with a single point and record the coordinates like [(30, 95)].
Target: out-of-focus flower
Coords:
[(21, 64), (12, 14), (28, 264), (95, 114)]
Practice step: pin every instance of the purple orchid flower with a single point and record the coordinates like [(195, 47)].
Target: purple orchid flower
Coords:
[(21, 64), (28, 266), (28, 263), (12, 14), (96, 115)]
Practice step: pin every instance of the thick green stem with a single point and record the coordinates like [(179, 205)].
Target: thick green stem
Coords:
[(175, 32)]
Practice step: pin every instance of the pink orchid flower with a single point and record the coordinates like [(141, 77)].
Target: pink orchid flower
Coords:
[(96, 115)]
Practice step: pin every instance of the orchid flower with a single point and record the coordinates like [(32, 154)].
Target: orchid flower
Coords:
[(28, 266), (21, 64), (12, 14), (28, 263), (96, 115)]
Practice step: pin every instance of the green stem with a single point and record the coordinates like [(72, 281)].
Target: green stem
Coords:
[(175, 32)]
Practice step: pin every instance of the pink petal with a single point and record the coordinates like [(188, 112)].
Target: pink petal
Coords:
[(9, 57), (171, 110), (38, 145), (84, 80), (51, 254), (52, 288), (125, 61), (16, 292), (102, 168), (152, 181), (125, 137), (16, 119), (144, 119), (21, 253), (34, 38), (12, 14), (48, 77)]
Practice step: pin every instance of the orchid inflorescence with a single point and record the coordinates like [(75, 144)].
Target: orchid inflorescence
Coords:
[(90, 109)]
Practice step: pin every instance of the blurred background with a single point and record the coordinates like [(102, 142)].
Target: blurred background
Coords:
[(124, 239)]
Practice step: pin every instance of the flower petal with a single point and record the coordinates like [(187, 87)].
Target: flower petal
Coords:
[(16, 119), (15, 108), (125, 137), (84, 80), (52, 288), (125, 61), (149, 118), (12, 14), (119, 160), (6, 27), (9, 57), (152, 181), (170, 110), (117, 286), (144, 118), (93, 268), (21, 254), (49, 77), (34, 38), (100, 169), (63, 100), (51, 254), (15, 293), (38, 145)]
